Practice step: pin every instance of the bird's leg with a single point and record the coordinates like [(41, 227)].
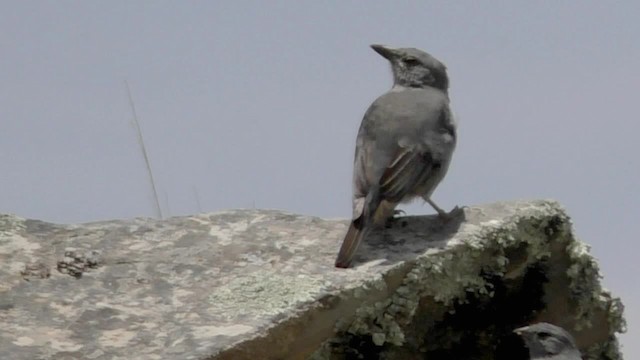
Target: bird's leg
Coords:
[(445, 216)]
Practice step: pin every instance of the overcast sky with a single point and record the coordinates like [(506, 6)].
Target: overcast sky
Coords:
[(257, 104)]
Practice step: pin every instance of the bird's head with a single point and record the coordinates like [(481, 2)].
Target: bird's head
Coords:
[(414, 68), (545, 340)]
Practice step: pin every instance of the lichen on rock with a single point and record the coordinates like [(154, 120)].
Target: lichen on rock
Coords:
[(249, 284)]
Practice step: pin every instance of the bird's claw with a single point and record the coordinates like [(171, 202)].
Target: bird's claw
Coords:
[(394, 217), (448, 216)]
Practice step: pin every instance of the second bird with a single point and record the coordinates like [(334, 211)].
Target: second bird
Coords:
[(404, 145)]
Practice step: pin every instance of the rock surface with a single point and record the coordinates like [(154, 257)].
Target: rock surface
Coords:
[(260, 284)]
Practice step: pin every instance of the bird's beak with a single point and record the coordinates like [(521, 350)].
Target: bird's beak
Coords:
[(386, 52), (521, 330)]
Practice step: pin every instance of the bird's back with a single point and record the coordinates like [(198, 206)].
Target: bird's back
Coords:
[(399, 119), (404, 112)]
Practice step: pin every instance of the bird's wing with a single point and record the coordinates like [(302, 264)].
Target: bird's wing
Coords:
[(366, 191), (410, 168), (396, 152)]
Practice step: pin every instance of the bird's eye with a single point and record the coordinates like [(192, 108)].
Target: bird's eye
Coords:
[(411, 61), (544, 335)]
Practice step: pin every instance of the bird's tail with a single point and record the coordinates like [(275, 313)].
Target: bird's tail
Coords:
[(350, 244)]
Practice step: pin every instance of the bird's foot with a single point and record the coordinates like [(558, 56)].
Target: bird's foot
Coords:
[(443, 215), (394, 218), (448, 216)]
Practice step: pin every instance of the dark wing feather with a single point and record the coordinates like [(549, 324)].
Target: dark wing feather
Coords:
[(405, 173)]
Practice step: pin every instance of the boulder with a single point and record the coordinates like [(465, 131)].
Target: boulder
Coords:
[(260, 284)]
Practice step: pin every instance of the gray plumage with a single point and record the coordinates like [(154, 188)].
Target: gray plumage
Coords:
[(404, 145), (549, 342)]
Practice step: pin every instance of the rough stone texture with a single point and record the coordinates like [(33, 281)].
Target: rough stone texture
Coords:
[(260, 284)]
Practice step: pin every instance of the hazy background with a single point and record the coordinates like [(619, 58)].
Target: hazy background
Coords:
[(257, 104)]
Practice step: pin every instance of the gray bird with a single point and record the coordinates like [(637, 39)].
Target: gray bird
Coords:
[(549, 342), (404, 145)]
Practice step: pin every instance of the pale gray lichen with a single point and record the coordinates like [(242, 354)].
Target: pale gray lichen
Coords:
[(584, 274), (261, 294), (11, 224), (591, 298), (608, 350), (259, 284), (448, 277)]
